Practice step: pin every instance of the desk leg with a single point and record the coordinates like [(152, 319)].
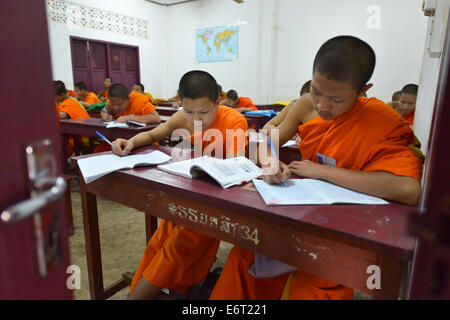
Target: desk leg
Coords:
[(391, 277), (92, 242), (151, 224), (93, 248)]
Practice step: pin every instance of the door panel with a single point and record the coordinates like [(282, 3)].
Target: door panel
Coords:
[(33, 118)]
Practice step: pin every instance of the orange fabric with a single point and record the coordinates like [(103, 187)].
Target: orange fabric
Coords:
[(369, 137), (409, 118), (91, 98), (244, 102), (237, 284), (72, 93), (176, 257), (226, 118), (139, 105), (73, 109)]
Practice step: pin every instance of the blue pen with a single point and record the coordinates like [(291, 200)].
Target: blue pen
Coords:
[(274, 155), (104, 138)]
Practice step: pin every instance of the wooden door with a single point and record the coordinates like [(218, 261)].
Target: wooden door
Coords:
[(34, 251)]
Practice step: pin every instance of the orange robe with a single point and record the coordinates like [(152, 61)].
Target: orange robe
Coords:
[(176, 257), (75, 111), (139, 105), (409, 118), (91, 98), (71, 93), (369, 137), (244, 102)]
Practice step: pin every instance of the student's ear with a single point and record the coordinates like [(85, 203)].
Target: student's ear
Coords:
[(218, 102), (365, 89)]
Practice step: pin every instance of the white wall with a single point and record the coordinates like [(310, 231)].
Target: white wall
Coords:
[(151, 51), (278, 43)]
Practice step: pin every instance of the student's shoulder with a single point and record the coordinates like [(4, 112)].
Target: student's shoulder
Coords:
[(303, 109)]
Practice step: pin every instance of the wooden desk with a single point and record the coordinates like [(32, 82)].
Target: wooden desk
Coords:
[(166, 103), (166, 111), (95, 113), (336, 242), (275, 107)]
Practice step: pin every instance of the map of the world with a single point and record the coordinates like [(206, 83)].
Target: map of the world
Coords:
[(217, 44)]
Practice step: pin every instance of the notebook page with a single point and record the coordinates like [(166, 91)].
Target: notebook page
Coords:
[(294, 193), (181, 168), (337, 194)]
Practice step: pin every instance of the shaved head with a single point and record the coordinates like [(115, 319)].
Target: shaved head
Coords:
[(198, 84), (346, 59)]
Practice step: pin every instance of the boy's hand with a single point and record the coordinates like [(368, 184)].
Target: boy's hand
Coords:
[(124, 119), (275, 173), (306, 169), (122, 147)]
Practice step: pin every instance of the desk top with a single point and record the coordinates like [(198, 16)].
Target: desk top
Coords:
[(87, 127), (384, 225)]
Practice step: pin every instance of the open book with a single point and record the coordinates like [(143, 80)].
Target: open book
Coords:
[(96, 167), (227, 172), (311, 191)]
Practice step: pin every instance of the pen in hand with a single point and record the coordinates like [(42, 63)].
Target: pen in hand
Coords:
[(274, 155), (104, 138)]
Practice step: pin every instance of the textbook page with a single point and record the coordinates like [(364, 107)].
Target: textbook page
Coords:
[(182, 168), (231, 171), (96, 167), (113, 124), (227, 172), (294, 193), (336, 194)]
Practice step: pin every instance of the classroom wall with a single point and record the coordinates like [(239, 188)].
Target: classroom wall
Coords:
[(279, 38), (151, 51)]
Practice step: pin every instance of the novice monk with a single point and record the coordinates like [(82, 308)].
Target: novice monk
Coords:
[(395, 97), (85, 97), (241, 104), (176, 257), (139, 88), (103, 95), (407, 102), (123, 107), (68, 108), (367, 141)]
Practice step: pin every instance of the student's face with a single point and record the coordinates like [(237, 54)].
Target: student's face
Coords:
[(118, 105), (137, 88), (107, 83), (229, 102), (201, 109), (407, 103), (60, 98), (81, 94), (332, 98)]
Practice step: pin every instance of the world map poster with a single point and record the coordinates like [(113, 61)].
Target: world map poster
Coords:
[(217, 44)]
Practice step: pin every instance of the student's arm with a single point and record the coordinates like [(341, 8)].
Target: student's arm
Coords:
[(123, 147), (63, 115), (300, 112), (148, 118), (86, 105), (275, 121), (242, 110), (377, 183)]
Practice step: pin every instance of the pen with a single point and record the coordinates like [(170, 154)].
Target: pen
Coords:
[(104, 138), (274, 155)]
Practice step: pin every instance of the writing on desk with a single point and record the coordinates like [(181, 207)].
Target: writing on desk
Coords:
[(225, 225)]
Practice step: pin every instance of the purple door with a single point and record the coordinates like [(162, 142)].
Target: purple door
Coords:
[(124, 66), (34, 250), (98, 71), (80, 62), (431, 266)]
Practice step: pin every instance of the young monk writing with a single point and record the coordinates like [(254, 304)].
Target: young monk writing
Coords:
[(123, 107), (366, 139), (103, 94), (85, 97), (176, 257), (241, 104), (68, 108)]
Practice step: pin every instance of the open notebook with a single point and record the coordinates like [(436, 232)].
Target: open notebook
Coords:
[(311, 191), (96, 167), (227, 172)]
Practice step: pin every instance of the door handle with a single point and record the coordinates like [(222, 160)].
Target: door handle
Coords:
[(27, 208)]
